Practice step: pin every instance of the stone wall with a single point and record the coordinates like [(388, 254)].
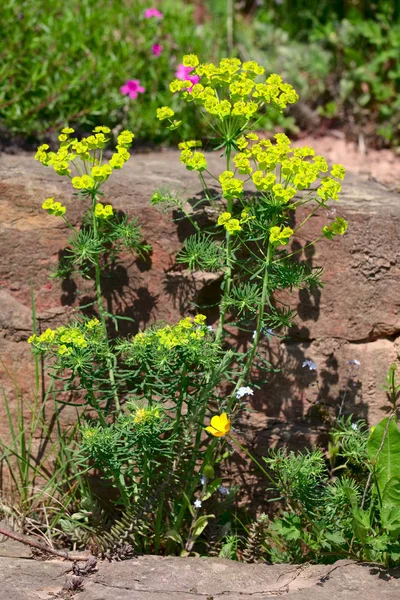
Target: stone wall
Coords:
[(354, 317)]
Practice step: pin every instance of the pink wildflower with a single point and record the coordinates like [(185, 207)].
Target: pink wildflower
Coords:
[(132, 88), (157, 49), (183, 73), (153, 12)]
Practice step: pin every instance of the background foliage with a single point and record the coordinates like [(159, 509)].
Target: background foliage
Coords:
[(64, 63)]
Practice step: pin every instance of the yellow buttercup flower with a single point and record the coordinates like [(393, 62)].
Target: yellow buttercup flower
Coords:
[(219, 426)]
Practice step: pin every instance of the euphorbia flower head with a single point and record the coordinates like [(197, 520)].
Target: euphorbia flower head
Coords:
[(219, 426), (152, 12), (132, 88)]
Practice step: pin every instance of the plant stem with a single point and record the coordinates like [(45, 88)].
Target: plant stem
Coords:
[(102, 315), (182, 394), (43, 547), (253, 459), (257, 333), (227, 282)]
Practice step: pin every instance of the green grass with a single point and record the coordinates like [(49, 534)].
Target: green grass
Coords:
[(64, 63)]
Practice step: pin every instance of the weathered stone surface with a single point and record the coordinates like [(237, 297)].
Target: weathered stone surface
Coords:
[(156, 578), (355, 316)]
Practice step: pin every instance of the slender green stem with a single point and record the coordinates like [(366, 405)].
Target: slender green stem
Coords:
[(299, 250), (253, 459), (259, 324), (69, 224), (227, 281), (102, 315), (311, 214), (182, 394)]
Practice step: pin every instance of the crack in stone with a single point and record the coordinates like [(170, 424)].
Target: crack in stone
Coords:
[(277, 592)]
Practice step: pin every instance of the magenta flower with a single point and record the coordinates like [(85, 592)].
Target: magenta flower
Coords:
[(183, 73), (157, 49), (153, 12), (132, 88)]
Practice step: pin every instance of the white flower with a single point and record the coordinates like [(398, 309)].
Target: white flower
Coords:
[(209, 327), (223, 490), (197, 503), (203, 480), (354, 426), (254, 334), (354, 362), (243, 391), (310, 364)]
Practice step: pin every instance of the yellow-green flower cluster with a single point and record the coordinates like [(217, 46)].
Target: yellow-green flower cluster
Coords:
[(231, 225), (47, 337), (242, 163), (89, 150), (193, 160), (297, 168), (54, 208), (101, 173), (337, 227), (229, 88), (338, 171), (102, 211), (278, 236), (182, 334), (92, 324), (84, 182), (62, 340), (329, 188), (146, 415), (164, 113), (231, 187)]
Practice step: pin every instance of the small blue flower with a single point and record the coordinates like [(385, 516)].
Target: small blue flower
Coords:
[(203, 480), (223, 490), (310, 364), (354, 362)]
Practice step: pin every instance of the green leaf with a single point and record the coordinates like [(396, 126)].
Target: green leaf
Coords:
[(361, 523), (335, 538), (211, 488), (351, 496), (391, 493), (386, 460), (200, 525), (172, 534), (189, 504), (378, 543)]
